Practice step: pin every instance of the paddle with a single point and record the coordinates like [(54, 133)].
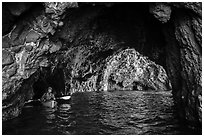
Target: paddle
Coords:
[(64, 97), (32, 100)]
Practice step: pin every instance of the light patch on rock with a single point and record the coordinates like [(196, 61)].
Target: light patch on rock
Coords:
[(21, 59), (55, 47)]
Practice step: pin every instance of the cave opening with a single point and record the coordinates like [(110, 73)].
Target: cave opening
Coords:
[(133, 27), (48, 78)]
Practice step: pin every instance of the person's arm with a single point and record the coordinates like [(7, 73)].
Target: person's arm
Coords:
[(53, 97), (43, 97)]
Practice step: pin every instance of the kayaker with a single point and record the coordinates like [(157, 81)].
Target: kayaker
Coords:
[(48, 96)]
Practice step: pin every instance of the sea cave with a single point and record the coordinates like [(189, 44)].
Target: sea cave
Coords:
[(94, 48)]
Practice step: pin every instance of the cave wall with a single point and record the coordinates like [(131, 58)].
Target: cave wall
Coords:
[(25, 52), (184, 54), (80, 41), (188, 33)]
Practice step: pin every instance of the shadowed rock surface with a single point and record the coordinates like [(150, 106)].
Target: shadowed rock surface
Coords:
[(77, 47)]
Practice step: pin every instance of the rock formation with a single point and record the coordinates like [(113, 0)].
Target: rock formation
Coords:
[(98, 46), (184, 56), (129, 70)]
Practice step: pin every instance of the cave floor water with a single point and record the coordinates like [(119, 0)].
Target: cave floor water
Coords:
[(117, 112)]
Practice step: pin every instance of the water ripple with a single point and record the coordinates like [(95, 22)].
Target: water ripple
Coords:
[(118, 112)]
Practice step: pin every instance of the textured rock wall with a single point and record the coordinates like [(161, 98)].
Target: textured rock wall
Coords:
[(188, 34), (129, 70), (25, 51), (184, 59)]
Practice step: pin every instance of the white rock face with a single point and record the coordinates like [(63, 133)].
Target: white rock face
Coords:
[(129, 70)]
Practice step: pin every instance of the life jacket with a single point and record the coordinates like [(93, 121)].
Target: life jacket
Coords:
[(47, 97)]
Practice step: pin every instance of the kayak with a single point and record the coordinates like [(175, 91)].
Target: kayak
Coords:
[(50, 104)]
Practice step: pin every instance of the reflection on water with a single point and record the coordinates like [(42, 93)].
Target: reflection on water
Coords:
[(119, 112)]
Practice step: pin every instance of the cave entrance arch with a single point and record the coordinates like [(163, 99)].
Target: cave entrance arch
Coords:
[(48, 78), (130, 70)]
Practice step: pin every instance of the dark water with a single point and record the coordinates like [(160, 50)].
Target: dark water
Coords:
[(119, 112)]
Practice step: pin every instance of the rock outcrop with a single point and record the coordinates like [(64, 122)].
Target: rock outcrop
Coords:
[(129, 70), (184, 56), (161, 11), (25, 52)]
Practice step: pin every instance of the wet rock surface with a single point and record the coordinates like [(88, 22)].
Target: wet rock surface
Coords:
[(102, 47)]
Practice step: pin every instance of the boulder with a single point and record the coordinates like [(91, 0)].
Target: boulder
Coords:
[(11, 70), (7, 58), (32, 36), (29, 47), (161, 11), (55, 47)]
